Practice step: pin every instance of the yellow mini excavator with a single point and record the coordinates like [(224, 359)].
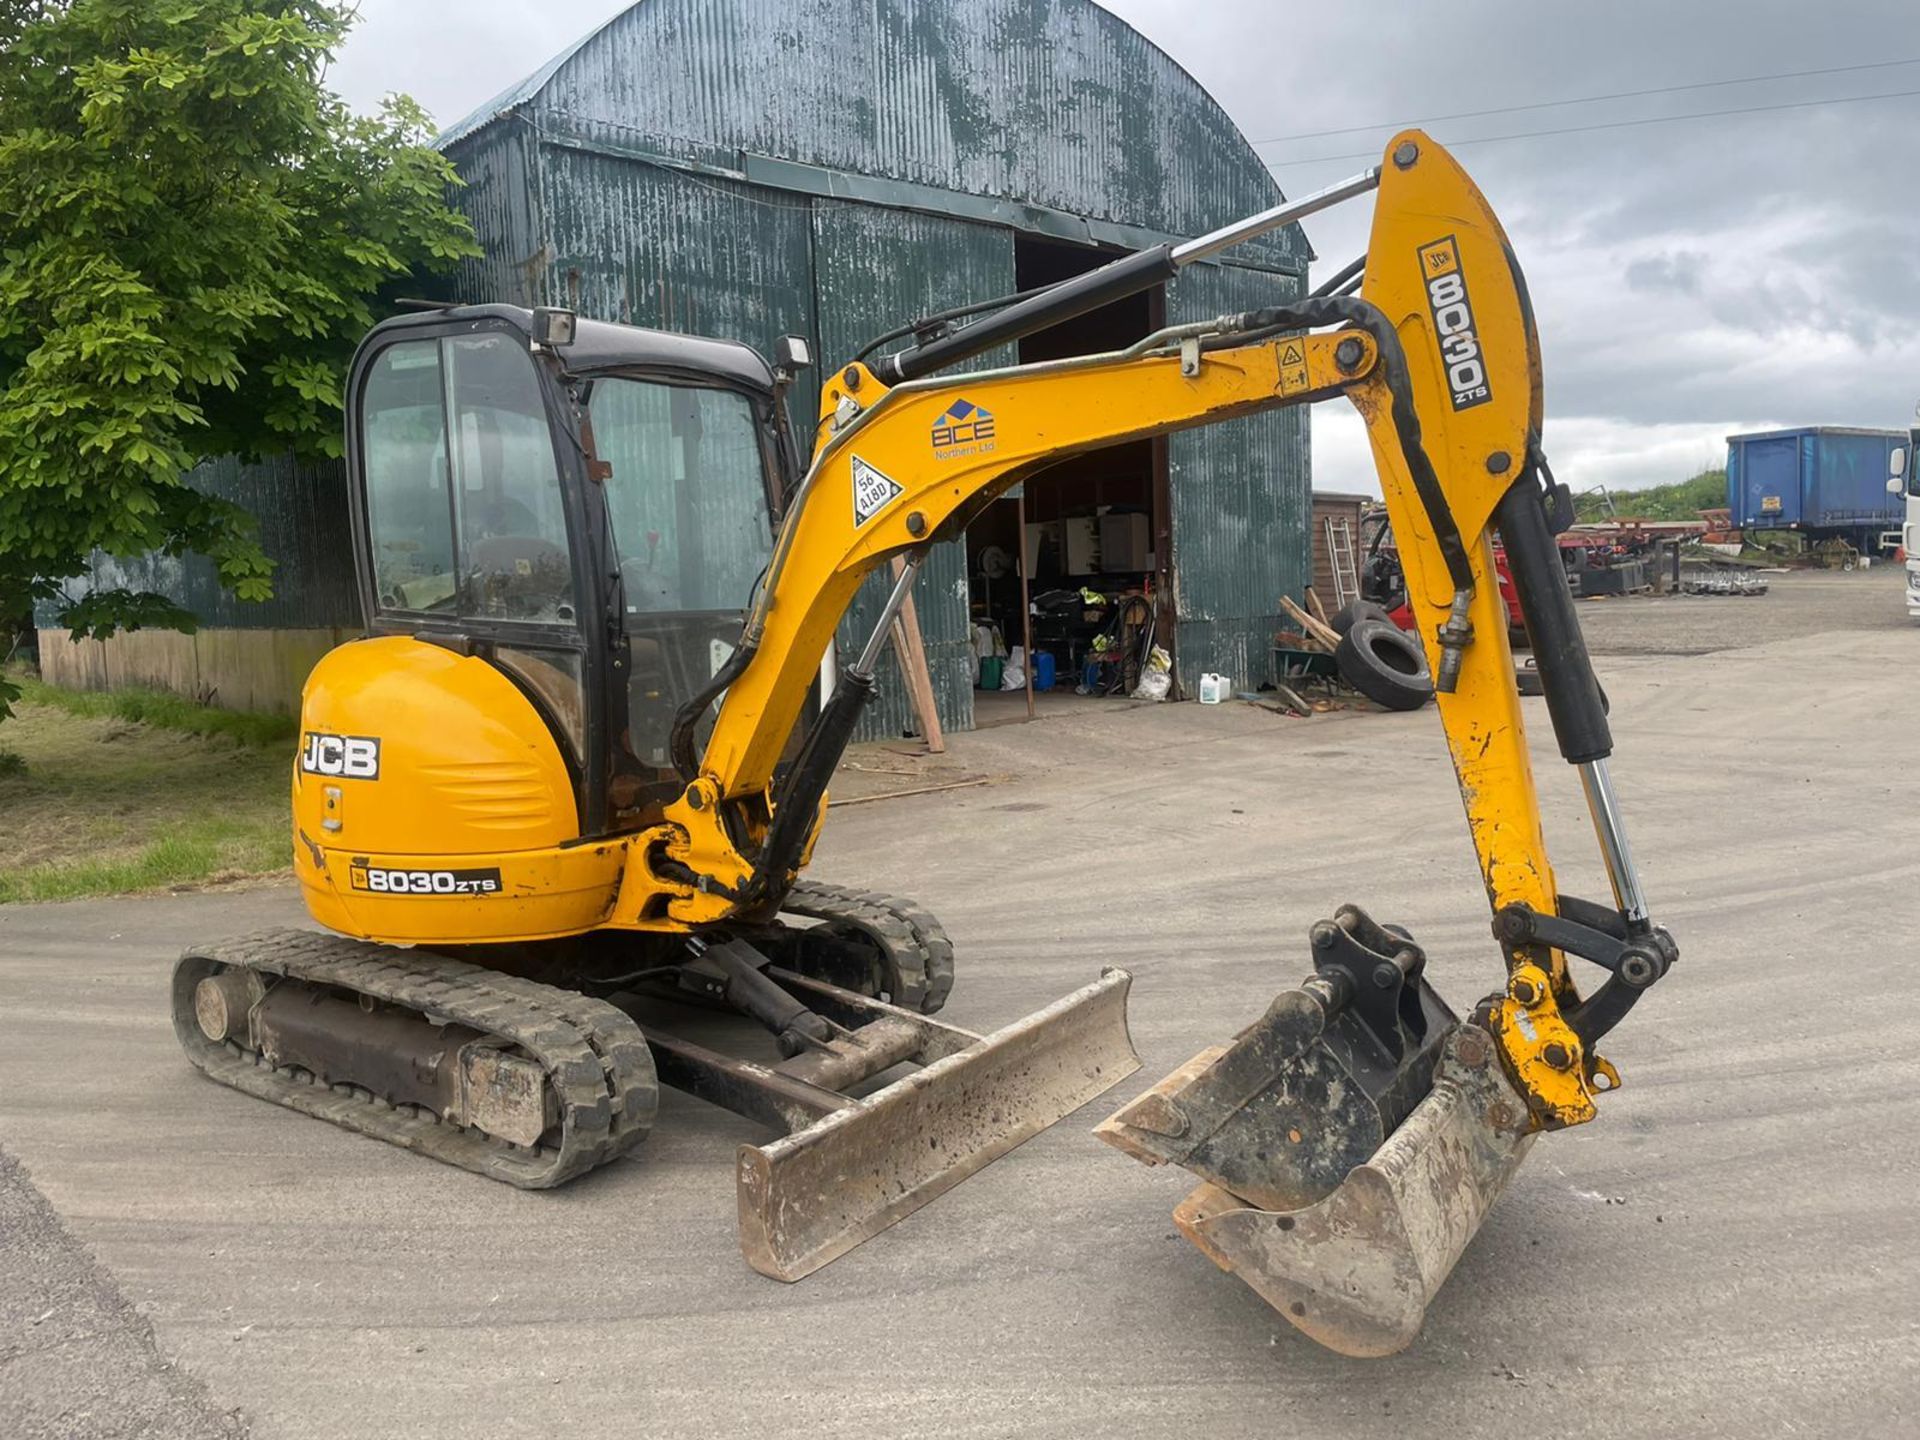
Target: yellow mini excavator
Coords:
[(564, 790)]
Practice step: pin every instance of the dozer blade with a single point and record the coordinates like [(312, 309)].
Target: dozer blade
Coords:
[(812, 1196), (1352, 1140)]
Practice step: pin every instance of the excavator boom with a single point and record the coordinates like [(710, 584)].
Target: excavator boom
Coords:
[(1338, 1202), (1351, 1141)]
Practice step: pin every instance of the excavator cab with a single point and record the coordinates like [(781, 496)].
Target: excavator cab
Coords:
[(590, 526)]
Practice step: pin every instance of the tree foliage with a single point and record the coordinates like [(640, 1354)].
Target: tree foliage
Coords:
[(1682, 500), (193, 236)]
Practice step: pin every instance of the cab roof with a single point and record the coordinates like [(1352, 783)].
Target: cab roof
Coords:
[(600, 347)]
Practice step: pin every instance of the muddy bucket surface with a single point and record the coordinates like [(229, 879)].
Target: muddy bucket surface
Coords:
[(1357, 1269)]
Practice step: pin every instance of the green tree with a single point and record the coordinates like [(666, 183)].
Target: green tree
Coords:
[(193, 236), (1682, 500)]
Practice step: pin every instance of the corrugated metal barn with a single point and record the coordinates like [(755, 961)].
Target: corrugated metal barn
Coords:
[(835, 168)]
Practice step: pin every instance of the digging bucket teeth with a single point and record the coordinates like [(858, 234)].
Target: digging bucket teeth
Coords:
[(1351, 1140), (852, 1166)]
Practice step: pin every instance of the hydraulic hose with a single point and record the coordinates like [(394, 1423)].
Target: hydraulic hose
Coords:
[(1346, 275)]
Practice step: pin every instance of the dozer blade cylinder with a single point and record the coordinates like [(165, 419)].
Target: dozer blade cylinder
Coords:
[(809, 1198), (1357, 1270)]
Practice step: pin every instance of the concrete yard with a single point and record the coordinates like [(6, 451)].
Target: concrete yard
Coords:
[(1798, 603), (1732, 1249)]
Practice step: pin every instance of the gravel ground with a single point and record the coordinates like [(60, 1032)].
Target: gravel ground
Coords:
[(1797, 603), (75, 1358)]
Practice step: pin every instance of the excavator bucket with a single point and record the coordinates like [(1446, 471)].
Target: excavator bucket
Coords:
[(851, 1165), (1351, 1141)]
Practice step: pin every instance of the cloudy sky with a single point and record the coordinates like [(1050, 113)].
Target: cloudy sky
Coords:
[(1692, 278)]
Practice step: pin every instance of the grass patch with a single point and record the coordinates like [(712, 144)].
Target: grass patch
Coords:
[(210, 850), (162, 710), (119, 797)]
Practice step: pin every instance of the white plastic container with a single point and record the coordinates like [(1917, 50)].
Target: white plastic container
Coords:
[(1215, 688)]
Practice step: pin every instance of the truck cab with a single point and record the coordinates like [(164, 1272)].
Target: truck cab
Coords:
[(1903, 481)]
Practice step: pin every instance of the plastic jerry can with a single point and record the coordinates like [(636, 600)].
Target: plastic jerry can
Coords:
[(1215, 688)]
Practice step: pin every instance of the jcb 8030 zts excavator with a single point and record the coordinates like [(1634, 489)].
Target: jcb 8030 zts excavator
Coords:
[(576, 767)]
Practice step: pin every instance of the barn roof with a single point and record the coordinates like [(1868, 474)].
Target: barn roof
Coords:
[(1053, 116)]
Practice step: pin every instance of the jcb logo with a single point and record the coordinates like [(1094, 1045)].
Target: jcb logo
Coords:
[(1453, 324), (347, 757)]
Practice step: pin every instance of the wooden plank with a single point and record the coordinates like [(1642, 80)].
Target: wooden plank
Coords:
[(1293, 698), (916, 790), (911, 651), (1325, 636)]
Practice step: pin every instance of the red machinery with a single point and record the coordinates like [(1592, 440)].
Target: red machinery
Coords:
[(1382, 583)]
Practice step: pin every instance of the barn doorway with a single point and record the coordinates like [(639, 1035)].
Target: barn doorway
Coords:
[(1094, 554)]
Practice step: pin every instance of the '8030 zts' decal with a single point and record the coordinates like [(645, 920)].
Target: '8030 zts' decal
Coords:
[(381, 880), (1453, 324)]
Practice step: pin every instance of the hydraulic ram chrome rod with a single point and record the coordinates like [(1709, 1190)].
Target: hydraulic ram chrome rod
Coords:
[(1240, 231), (1129, 275)]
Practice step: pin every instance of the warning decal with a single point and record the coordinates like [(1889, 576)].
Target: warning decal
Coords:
[(872, 492), (1293, 367)]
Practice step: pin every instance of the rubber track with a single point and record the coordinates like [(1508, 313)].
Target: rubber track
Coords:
[(595, 1057), (916, 943)]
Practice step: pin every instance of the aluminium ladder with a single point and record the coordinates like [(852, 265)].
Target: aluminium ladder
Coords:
[(1342, 561)]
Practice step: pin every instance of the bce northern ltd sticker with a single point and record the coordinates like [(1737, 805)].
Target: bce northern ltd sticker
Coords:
[(963, 428), (1454, 325)]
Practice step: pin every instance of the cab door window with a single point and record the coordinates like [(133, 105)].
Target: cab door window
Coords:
[(686, 494), (465, 513), (404, 459), (514, 562), (686, 497)]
